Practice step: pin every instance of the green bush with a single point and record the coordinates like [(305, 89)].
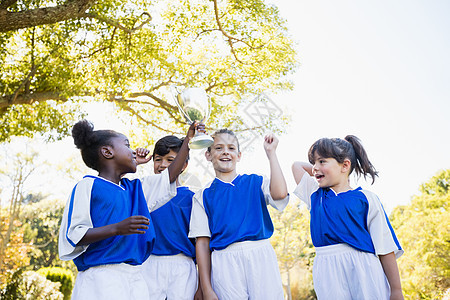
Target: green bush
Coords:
[(63, 276), (24, 285)]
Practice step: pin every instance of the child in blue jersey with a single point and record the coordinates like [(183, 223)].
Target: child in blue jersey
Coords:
[(106, 227), (170, 271), (356, 247), (230, 218)]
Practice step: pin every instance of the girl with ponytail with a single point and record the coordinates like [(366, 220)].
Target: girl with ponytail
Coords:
[(106, 228), (356, 247)]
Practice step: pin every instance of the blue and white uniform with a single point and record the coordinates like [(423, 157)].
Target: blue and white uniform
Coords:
[(235, 217), (170, 271), (110, 268), (349, 230)]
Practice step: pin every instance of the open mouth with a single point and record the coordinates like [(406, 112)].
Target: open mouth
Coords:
[(225, 159), (319, 176)]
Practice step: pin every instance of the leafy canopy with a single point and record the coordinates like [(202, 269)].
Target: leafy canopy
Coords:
[(130, 53)]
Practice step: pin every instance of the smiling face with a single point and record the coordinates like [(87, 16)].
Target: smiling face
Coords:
[(224, 154), (161, 162), (331, 174)]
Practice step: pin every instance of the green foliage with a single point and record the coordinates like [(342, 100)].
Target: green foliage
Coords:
[(41, 228), (30, 285), (11, 289), (423, 230), (49, 118), (120, 56), (63, 276), (293, 246)]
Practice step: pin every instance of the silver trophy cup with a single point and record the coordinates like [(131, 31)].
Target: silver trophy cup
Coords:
[(194, 105)]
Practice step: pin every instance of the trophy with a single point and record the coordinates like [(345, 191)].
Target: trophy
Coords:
[(194, 105)]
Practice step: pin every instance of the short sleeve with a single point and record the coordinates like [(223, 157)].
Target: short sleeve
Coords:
[(199, 225), (305, 188), (277, 204), (158, 189), (380, 229), (76, 221)]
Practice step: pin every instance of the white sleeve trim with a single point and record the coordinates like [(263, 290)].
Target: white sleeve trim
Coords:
[(158, 189), (76, 221), (199, 224), (378, 227), (277, 204), (305, 188)]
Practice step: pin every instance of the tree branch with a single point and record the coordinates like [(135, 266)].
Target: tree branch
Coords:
[(30, 98), (117, 24), (73, 9), (230, 38)]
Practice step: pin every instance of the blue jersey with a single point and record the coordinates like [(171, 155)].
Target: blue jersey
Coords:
[(109, 203), (171, 223), (230, 212), (355, 217)]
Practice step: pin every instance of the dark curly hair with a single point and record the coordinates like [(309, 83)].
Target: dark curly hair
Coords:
[(89, 141)]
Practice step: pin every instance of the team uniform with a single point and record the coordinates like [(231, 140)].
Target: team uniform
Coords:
[(349, 230), (111, 268), (235, 217), (170, 271)]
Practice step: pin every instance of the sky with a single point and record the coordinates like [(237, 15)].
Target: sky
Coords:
[(379, 70)]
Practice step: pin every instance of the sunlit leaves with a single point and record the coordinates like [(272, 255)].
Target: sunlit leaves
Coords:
[(423, 230)]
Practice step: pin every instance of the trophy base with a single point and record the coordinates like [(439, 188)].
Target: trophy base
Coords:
[(201, 141)]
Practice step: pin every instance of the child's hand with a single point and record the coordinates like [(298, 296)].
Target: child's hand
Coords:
[(396, 295), (198, 294), (270, 143), (141, 154), (132, 225), (210, 295), (191, 131)]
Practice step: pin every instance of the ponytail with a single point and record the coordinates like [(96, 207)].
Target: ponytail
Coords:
[(341, 149), (362, 163)]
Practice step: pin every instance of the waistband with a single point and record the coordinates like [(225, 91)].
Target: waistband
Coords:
[(122, 267), (335, 249), (245, 245), (178, 256)]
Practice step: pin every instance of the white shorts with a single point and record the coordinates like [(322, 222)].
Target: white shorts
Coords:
[(110, 282), (172, 277), (246, 270), (342, 272)]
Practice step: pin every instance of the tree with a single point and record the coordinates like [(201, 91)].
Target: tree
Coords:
[(41, 229), (18, 171), (129, 53), (423, 230), (292, 240)]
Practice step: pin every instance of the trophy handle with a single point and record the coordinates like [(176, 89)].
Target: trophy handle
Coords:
[(208, 113), (175, 94)]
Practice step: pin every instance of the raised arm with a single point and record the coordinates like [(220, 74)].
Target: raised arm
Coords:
[(299, 168), (203, 254), (278, 187), (177, 165)]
